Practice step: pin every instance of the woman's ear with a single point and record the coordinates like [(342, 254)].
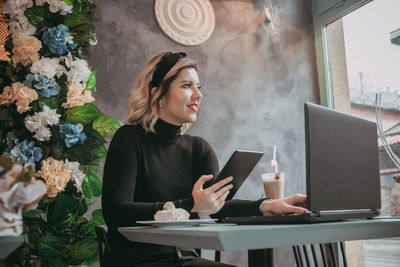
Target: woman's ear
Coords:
[(153, 91)]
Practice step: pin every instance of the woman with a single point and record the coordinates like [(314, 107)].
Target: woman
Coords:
[(151, 161)]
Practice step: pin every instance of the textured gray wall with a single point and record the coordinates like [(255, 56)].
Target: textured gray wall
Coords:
[(254, 83)]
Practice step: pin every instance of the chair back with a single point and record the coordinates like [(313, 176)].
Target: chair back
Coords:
[(327, 255), (104, 247)]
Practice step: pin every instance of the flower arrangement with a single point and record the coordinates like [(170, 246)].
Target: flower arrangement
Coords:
[(51, 125)]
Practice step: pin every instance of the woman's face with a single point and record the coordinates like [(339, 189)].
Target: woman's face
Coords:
[(181, 103)]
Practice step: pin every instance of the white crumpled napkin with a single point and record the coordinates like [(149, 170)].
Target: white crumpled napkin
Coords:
[(16, 199)]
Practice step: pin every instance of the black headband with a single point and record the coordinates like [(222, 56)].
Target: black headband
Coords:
[(164, 66)]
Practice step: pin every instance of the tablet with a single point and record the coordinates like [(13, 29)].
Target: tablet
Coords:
[(239, 166)]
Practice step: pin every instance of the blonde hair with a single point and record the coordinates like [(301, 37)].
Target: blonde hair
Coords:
[(143, 105)]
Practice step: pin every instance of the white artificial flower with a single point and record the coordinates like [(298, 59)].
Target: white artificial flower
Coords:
[(79, 71), (76, 174), (48, 67), (50, 115), (56, 6), (42, 134), (20, 24), (16, 7), (38, 122)]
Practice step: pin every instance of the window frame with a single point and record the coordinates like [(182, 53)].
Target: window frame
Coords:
[(325, 12)]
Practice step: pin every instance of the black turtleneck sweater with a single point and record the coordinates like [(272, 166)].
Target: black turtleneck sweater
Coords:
[(144, 170)]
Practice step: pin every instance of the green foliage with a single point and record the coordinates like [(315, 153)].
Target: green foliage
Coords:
[(83, 114), (83, 249), (94, 138), (81, 153), (91, 185), (38, 16), (41, 18), (101, 151), (91, 83), (48, 246), (51, 102), (6, 118), (93, 166), (58, 232), (97, 219), (80, 26), (69, 2), (106, 125)]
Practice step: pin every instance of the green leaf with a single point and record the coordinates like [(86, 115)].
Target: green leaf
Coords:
[(101, 151), (56, 263), (106, 125), (93, 166), (48, 246), (82, 207), (93, 137), (6, 120), (83, 114), (79, 27), (35, 213), (81, 153), (97, 219), (97, 213), (84, 249), (90, 225), (77, 20), (69, 2), (65, 211), (57, 150), (83, 1), (37, 16), (80, 38), (51, 102), (91, 185), (46, 199), (91, 82)]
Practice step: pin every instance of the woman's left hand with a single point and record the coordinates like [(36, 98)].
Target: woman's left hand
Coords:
[(292, 204)]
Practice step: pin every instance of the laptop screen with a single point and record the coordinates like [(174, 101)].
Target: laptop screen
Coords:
[(342, 161)]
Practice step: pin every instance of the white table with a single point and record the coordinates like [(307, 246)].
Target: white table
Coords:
[(8, 244), (228, 237)]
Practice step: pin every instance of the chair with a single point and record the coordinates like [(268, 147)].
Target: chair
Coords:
[(104, 247), (307, 255)]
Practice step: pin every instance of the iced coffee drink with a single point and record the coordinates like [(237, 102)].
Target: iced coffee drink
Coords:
[(273, 184)]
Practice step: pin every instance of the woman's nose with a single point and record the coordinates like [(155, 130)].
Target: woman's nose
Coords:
[(197, 94)]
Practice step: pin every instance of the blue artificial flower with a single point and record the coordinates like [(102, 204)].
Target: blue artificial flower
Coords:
[(26, 152), (44, 86), (58, 40), (72, 134)]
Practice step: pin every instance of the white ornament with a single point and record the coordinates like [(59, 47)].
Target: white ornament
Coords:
[(188, 22)]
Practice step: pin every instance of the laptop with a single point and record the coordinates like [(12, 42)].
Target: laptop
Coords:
[(342, 170)]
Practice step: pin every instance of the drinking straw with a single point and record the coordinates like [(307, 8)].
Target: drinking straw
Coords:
[(273, 161)]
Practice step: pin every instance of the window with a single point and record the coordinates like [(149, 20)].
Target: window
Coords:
[(357, 46)]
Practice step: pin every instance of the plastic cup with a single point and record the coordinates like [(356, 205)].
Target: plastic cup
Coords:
[(273, 184)]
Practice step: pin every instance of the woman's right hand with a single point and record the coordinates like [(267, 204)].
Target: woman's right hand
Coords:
[(212, 199)]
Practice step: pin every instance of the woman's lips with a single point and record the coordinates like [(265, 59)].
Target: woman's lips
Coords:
[(194, 107)]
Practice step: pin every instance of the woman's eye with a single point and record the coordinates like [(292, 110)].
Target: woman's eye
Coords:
[(186, 86)]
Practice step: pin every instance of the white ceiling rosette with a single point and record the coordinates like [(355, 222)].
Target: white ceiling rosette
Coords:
[(187, 22)]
